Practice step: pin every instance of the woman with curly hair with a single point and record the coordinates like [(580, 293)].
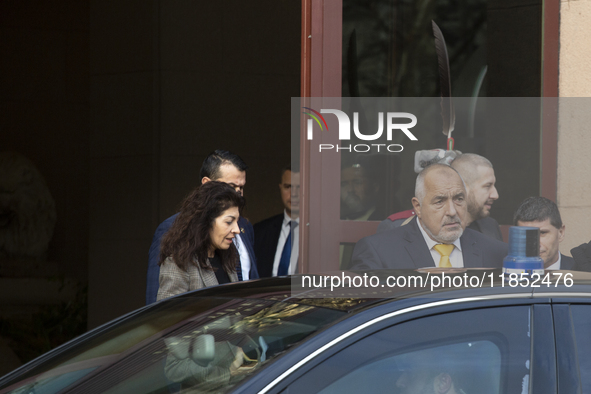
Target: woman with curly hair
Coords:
[(198, 250)]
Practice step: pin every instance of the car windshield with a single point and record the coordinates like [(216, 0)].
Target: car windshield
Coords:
[(186, 344)]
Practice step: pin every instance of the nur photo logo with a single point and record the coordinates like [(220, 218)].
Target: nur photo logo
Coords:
[(392, 121)]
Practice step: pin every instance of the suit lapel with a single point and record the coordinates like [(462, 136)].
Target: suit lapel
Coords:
[(276, 231), (470, 252), (244, 238), (266, 244), (417, 247), (208, 276)]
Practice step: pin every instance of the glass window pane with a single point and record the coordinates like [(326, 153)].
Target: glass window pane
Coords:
[(582, 321), (204, 344), (494, 50), (483, 351), (388, 48), (470, 366)]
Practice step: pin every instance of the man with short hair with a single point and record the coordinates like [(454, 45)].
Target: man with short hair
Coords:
[(275, 250), (437, 235), (221, 166), (479, 177), (544, 214)]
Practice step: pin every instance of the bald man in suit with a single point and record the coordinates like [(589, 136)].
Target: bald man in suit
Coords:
[(437, 236), (479, 178)]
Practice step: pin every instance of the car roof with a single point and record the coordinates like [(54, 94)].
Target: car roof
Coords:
[(491, 282)]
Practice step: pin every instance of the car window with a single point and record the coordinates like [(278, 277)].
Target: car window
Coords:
[(581, 316), (483, 351), (198, 344), (416, 371)]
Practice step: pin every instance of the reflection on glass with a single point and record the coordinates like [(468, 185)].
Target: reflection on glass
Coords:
[(369, 184), (198, 345), (345, 254), (467, 367), (388, 50), (359, 192), (376, 183), (582, 324), (365, 193), (388, 47)]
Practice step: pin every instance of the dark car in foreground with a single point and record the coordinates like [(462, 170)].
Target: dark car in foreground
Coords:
[(274, 336)]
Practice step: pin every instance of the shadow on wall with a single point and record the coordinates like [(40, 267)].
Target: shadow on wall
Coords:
[(39, 307), (27, 210)]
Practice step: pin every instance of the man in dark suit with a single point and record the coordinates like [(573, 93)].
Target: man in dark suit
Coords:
[(582, 256), (544, 214), (272, 234), (221, 166), (436, 237), (479, 177)]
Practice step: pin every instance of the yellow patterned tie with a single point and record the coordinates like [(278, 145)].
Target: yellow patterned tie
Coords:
[(444, 250)]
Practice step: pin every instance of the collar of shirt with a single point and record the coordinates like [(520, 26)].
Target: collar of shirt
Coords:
[(243, 256), (456, 258), (287, 219), (556, 265)]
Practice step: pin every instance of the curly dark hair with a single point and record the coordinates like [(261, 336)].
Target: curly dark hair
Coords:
[(188, 239)]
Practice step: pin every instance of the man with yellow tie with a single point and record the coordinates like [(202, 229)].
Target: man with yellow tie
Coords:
[(437, 236)]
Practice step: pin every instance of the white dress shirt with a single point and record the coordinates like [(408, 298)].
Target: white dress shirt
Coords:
[(556, 265), (244, 257), (295, 237), (455, 258)]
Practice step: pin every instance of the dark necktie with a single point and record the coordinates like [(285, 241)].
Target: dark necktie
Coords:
[(286, 253)]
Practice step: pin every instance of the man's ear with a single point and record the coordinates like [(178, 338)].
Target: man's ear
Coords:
[(442, 383), (561, 233), (416, 206), (205, 180)]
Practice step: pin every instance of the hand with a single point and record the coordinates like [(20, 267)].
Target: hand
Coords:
[(238, 361)]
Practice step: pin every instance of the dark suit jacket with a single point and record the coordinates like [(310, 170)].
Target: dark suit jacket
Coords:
[(582, 256), (266, 237), (405, 247), (152, 283), (487, 226), (567, 263)]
